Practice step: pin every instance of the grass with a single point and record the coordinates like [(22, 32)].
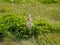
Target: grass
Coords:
[(38, 10), (46, 39), (49, 39), (42, 10)]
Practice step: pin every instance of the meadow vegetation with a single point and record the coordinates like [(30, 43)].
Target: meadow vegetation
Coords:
[(46, 22)]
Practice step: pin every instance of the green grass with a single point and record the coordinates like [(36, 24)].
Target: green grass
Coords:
[(42, 10), (46, 39), (39, 9)]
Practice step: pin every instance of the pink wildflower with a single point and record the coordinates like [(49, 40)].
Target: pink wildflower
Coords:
[(29, 22)]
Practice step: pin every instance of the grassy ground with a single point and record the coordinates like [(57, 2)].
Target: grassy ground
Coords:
[(46, 39), (50, 12)]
